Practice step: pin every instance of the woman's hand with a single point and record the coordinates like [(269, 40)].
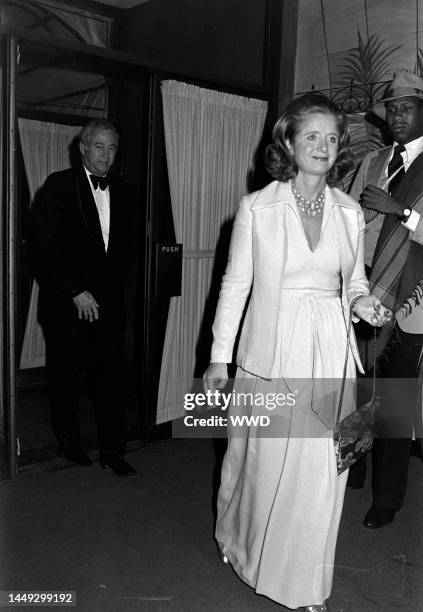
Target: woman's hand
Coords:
[(370, 309), (215, 377)]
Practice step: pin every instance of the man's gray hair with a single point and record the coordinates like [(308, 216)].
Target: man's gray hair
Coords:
[(94, 125)]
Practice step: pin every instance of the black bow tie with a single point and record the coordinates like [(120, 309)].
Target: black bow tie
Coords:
[(102, 181)]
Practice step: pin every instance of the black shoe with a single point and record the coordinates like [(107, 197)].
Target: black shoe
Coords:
[(117, 464), (378, 517), (78, 458)]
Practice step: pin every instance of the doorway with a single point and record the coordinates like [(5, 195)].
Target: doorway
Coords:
[(55, 89)]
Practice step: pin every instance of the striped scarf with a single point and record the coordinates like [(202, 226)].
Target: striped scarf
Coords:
[(391, 280)]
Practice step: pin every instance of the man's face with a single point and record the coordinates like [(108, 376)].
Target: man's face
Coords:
[(99, 153), (404, 117)]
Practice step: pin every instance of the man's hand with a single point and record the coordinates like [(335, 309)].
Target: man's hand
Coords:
[(380, 201), (370, 309), (87, 306), (215, 377)]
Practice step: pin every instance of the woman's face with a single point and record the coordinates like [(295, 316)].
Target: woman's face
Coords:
[(315, 146)]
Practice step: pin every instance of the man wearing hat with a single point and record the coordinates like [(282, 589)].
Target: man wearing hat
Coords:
[(389, 185)]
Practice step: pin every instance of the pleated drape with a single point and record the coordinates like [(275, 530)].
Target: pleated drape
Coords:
[(211, 138), (45, 148)]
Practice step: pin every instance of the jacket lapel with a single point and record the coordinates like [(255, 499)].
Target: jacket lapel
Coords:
[(113, 192), (375, 175), (88, 207)]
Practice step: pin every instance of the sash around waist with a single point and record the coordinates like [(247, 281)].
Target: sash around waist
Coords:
[(311, 292)]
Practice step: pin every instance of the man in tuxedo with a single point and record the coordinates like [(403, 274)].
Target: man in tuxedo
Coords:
[(82, 228), (389, 185)]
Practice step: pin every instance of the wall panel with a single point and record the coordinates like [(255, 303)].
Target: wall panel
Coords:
[(225, 38)]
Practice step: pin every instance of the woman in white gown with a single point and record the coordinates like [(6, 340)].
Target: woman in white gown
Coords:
[(297, 253)]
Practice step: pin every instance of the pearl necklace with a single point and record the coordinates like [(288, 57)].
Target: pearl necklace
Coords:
[(309, 207)]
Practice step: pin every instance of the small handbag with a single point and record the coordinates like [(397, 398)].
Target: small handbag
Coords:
[(353, 436)]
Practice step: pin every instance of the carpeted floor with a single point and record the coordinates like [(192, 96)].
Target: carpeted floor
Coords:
[(146, 543)]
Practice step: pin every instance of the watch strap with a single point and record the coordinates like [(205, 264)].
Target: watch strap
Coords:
[(405, 215)]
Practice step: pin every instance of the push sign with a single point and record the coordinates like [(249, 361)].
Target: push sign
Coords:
[(168, 270)]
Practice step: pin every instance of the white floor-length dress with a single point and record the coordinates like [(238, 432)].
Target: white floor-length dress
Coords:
[(280, 499)]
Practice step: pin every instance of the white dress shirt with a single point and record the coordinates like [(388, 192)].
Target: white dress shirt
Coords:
[(102, 201), (412, 150)]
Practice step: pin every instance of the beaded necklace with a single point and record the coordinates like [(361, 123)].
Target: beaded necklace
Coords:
[(309, 207)]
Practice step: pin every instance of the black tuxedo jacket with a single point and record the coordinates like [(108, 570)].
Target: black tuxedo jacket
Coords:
[(71, 254)]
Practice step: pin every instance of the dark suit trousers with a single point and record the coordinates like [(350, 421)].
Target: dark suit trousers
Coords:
[(399, 392), (75, 349)]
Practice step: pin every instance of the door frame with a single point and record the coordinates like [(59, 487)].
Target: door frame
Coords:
[(8, 441), (115, 64)]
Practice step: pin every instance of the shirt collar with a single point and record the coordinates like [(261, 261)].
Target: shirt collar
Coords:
[(412, 149), (278, 193)]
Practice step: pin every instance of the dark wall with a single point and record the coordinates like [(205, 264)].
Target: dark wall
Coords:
[(200, 38)]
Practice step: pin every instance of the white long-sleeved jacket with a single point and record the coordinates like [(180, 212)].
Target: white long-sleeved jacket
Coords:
[(256, 262)]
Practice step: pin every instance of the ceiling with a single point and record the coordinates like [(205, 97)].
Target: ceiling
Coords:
[(122, 4)]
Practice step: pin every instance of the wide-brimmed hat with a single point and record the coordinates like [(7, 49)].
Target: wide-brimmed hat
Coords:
[(403, 85)]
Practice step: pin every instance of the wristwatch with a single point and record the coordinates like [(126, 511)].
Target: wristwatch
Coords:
[(405, 215)]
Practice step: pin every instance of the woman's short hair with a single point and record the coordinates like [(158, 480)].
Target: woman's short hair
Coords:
[(94, 125), (279, 160)]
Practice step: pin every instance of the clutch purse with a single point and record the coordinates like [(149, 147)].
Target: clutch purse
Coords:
[(353, 436)]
